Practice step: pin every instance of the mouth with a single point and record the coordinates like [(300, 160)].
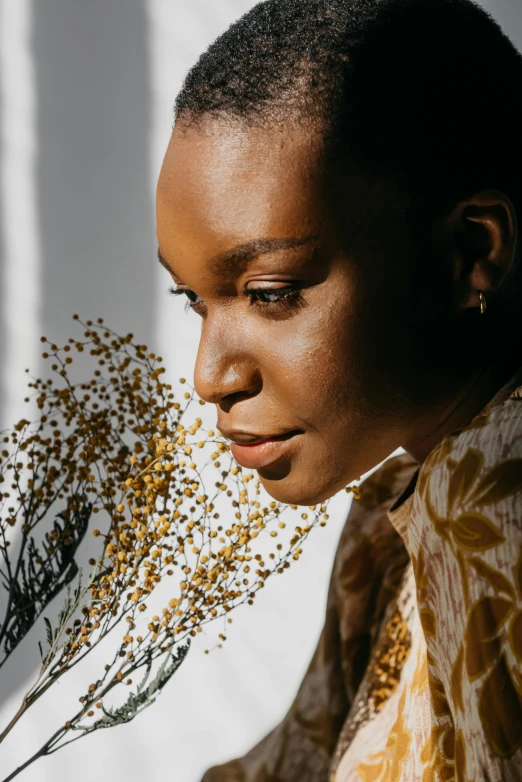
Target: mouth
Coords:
[(262, 451)]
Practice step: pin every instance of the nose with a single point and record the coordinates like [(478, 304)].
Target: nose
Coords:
[(225, 371)]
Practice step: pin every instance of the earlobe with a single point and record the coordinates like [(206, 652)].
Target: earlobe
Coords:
[(485, 235)]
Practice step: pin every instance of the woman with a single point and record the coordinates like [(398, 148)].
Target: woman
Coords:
[(339, 203)]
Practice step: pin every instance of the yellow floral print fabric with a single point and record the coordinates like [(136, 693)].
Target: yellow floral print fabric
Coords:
[(417, 675)]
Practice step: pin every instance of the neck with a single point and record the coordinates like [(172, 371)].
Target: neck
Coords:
[(469, 397)]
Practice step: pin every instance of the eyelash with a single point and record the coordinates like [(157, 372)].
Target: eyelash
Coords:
[(289, 297)]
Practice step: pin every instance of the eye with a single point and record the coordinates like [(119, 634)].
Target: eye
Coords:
[(191, 296), (270, 301), (275, 299)]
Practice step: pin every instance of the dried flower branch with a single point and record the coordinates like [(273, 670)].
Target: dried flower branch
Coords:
[(116, 446)]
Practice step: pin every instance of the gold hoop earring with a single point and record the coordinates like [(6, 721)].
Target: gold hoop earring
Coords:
[(482, 302)]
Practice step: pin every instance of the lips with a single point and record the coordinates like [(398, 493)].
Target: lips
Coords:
[(262, 451)]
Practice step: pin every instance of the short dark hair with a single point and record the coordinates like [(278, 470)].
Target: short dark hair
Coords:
[(425, 91)]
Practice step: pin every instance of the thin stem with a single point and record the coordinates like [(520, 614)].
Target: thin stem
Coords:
[(44, 750), (23, 708)]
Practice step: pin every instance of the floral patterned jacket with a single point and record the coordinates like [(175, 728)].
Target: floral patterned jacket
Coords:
[(418, 671)]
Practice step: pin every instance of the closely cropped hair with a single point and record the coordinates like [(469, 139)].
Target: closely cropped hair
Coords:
[(425, 91)]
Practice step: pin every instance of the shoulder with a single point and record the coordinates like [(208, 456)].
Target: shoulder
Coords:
[(478, 467), (466, 548), (466, 520)]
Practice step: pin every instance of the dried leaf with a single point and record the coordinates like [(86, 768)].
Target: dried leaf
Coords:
[(142, 698)]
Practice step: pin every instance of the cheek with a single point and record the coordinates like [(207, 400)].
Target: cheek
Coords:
[(306, 361)]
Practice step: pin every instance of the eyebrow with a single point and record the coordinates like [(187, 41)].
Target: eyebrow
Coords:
[(238, 258)]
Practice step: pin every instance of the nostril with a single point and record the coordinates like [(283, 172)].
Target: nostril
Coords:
[(229, 400)]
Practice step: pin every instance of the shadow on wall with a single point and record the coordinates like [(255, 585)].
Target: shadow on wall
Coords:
[(2, 324), (93, 185)]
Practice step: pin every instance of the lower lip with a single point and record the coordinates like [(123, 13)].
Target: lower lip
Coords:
[(259, 455)]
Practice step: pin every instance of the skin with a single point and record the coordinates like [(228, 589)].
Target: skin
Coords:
[(373, 356)]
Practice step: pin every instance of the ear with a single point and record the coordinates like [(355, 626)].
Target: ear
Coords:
[(482, 237)]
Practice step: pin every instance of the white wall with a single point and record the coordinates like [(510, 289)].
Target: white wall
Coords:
[(86, 94)]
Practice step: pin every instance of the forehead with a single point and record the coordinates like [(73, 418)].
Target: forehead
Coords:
[(223, 184), (231, 155)]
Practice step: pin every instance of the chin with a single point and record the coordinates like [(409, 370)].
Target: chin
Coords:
[(299, 490)]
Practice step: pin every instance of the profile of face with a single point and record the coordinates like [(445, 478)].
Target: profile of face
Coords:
[(304, 280)]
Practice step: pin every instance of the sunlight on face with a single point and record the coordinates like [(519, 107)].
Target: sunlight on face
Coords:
[(298, 279)]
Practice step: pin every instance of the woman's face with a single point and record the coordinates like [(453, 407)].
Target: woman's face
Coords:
[(303, 283)]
